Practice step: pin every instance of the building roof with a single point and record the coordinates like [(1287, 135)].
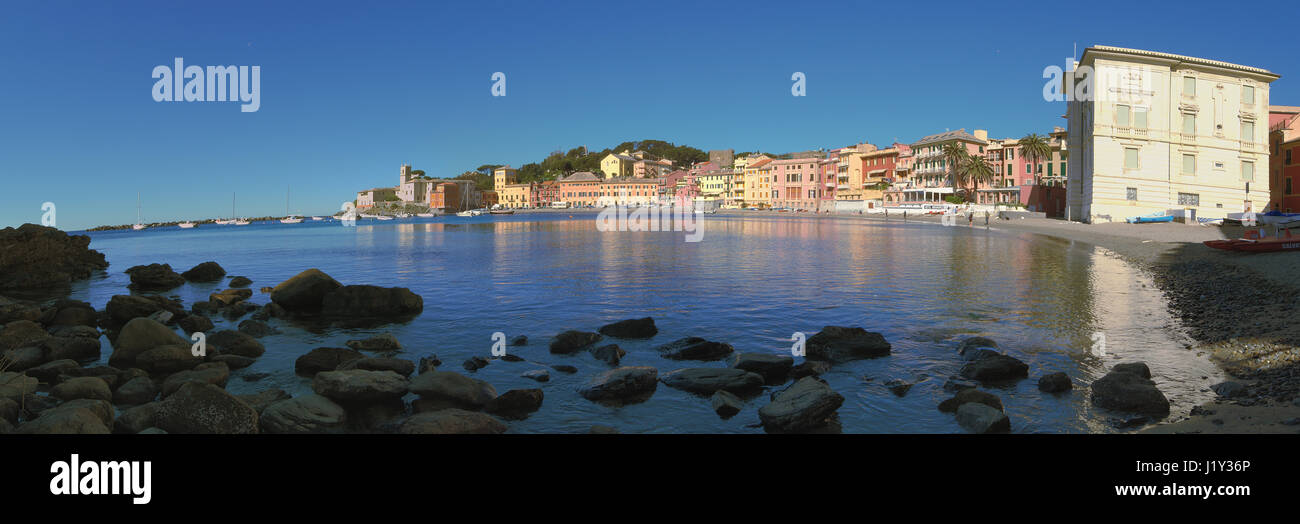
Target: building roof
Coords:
[(1179, 58), (581, 176), (947, 136)]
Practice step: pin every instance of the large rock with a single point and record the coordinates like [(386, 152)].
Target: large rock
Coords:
[(805, 406), (140, 335), (237, 343), (16, 386), (979, 418), (215, 373), (726, 404), (195, 323), (773, 368), (1137, 368), (165, 360), (381, 343), (72, 347), (101, 408), (304, 292), (324, 359), (154, 277), (122, 309), (21, 333), (573, 341), (843, 344), (966, 396), (206, 409), (516, 403), (625, 384), (995, 367), (24, 358), (49, 372), (359, 385), (38, 257), (1129, 392), (1055, 383), (137, 419), (260, 400), (451, 421), (371, 302), (453, 389), (706, 381), (15, 309), (82, 387), (139, 390), (631, 328), (610, 354), (694, 348), (404, 368), (205, 272), (75, 316), (256, 328), (304, 414), (67, 421)]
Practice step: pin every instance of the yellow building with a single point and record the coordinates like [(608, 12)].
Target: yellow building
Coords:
[(758, 182), (516, 196), (504, 176), (1158, 132)]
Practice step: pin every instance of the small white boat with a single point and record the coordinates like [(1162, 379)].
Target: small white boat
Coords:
[(186, 225), (403, 215), (139, 224), (291, 220), (368, 215), (317, 219), (138, 227), (222, 222), (425, 215), (240, 222), (383, 217)]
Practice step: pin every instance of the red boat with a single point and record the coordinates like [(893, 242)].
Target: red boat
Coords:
[(1253, 243)]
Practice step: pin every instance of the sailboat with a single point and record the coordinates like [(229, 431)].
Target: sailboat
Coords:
[(290, 219), (139, 224), (232, 219)]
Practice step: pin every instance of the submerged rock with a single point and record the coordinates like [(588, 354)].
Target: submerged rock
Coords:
[(631, 328), (995, 367), (726, 404), (1137, 368), (706, 381), (324, 359), (967, 396), (384, 342), (1129, 392), (628, 383), (371, 302), (842, 344), (304, 414), (453, 389), (773, 368), (205, 272), (516, 403), (610, 354), (979, 418), (154, 277), (695, 348), (573, 341), (404, 368), (1055, 383), (807, 405)]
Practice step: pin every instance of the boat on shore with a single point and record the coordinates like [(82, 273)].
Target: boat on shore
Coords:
[(502, 211), (1150, 219), (1254, 242)]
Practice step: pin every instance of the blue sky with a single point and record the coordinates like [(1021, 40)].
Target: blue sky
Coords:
[(350, 91)]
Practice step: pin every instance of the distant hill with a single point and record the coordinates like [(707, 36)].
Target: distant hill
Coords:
[(562, 163)]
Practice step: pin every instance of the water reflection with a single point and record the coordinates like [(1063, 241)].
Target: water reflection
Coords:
[(751, 281)]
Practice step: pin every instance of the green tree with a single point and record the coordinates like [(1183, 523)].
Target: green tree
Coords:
[(954, 155), (1035, 148), (975, 169)]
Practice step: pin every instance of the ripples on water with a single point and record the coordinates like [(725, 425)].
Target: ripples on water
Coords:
[(751, 282)]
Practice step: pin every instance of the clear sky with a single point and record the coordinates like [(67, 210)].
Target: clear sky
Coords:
[(350, 91)]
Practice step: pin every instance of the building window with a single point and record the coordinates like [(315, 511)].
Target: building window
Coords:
[(1189, 199), (1121, 115), (1247, 171), (1288, 185), (1189, 164), (1131, 194), (1189, 123), (1189, 86), (1139, 118), (1248, 95), (1130, 158), (1247, 131)]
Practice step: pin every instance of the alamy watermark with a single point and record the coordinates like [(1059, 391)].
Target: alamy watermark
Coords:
[(643, 214), (183, 83), (1084, 83)]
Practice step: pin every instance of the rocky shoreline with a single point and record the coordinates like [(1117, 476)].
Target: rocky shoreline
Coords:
[(156, 381)]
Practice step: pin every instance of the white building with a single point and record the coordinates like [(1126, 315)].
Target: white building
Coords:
[(1157, 132)]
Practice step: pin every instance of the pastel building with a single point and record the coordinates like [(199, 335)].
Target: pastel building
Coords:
[(368, 198), (931, 178), (850, 172), (1158, 132), (580, 189), (1015, 178), (757, 179), (796, 183), (1284, 158)]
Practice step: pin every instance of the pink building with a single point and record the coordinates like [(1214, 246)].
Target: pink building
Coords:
[(796, 183)]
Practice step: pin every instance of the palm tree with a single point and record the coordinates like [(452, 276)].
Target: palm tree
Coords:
[(955, 154), (975, 170), (1035, 148)]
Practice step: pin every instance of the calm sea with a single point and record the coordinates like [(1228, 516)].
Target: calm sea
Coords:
[(751, 281)]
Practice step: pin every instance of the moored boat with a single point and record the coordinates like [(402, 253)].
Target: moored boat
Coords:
[(502, 211), (186, 225), (1150, 219), (1254, 243)]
